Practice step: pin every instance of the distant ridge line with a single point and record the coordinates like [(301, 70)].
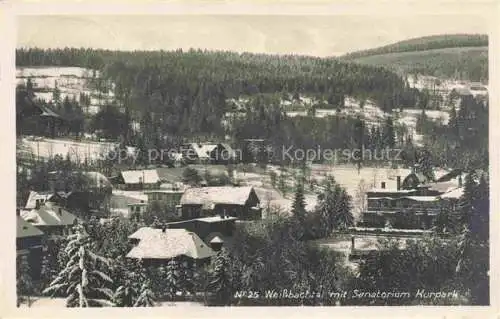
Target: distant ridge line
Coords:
[(425, 43)]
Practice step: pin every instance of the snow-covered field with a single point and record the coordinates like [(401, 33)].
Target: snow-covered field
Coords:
[(71, 82), (78, 151), (296, 113), (47, 302), (346, 175), (435, 115), (54, 72)]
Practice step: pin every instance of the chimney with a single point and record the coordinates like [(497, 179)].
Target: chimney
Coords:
[(460, 180), (352, 243), (382, 185), (37, 204), (398, 182), (59, 210)]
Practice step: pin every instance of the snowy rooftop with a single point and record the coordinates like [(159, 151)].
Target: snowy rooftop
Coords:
[(423, 198), (141, 176), (453, 194), (216, 195), (25, 229), (390, 190), (158, 244), (215, 219), (49, 214)]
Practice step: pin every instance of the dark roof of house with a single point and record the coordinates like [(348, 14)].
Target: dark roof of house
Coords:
[(30, 108), (170, 174)]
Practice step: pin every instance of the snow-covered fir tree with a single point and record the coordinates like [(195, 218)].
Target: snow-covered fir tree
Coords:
[(146, 297), (84, 280), (219, 278)]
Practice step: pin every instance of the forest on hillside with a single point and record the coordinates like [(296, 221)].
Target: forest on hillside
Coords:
[(196, 72), (426, 43), (180, 96), (183, 94), (458, 56), (468, 64)]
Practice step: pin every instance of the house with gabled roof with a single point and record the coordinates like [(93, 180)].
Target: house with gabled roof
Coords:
[(214, 153), (241, 202), (416, 202), (138, 179), (50, 218), (35, 118), (160, 245), (35, 199)]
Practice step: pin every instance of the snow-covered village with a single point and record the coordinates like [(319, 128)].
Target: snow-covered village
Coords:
[(205, 177)]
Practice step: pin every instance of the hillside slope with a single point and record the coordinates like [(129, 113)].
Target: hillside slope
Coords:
[(453, 56), (432, 42)]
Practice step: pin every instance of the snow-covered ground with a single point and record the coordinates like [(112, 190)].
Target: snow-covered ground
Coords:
[(71, 82), (325, 113), (54, 72), (78, 151), (435, 115), (47, 302), (296, 113), (346, 175)]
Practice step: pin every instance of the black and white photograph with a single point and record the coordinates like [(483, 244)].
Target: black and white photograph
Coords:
[(252, 160)]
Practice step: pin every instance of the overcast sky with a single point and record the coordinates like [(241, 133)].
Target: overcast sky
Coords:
[(310, 35)]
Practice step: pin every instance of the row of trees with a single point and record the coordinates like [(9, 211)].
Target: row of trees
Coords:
[(463, 141), (284, 135), (333, 211)]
